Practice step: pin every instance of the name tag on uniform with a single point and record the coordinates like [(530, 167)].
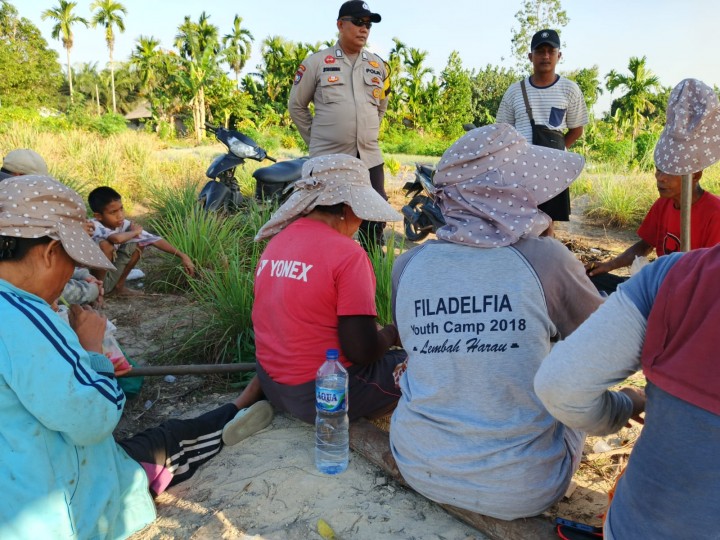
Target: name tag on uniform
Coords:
[(326, 69)]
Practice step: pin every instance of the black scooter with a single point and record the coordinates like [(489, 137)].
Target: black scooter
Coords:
[(421, 215), (222, 192)]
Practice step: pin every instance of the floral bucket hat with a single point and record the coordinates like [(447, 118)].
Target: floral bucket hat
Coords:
[(690, 141)]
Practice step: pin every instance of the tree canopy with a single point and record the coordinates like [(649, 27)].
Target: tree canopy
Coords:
[(21, 43)]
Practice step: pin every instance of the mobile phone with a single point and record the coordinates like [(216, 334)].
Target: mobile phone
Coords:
[(579, 526)]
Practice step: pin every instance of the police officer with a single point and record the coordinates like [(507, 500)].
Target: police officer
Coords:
[(346, 84)]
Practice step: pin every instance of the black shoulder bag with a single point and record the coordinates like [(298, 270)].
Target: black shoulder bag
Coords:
[(542, 135)]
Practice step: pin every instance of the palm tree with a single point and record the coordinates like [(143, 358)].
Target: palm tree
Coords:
[(237, 47), (64, 21), (145, 59), (199, 48), (109, 14), (197, 36), (638, 86), (87, 79), (416, 71)]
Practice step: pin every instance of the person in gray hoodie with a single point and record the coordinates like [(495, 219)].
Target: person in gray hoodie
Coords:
[(477, 311)]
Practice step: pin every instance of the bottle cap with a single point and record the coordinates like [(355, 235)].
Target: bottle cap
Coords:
[(332, 354)]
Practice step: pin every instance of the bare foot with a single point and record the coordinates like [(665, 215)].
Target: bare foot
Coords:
[(125, 291)]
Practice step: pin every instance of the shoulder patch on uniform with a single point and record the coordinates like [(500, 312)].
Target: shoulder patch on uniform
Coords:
[(298, 75), (329, 59), (301, 68)]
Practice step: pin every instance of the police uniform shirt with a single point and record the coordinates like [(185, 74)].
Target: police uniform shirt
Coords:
[(349, 103)]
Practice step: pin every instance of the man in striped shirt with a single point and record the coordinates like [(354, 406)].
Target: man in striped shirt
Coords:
[(555, 101)]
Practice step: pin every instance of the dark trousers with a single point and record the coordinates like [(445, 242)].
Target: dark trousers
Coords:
[(371, 390), (181, 446), (607, 284), (371, 232)]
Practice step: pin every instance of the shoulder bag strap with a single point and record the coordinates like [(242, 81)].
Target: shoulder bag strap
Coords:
[(527, 103)]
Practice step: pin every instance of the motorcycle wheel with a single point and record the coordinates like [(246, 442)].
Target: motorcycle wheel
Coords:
[(412, 231)]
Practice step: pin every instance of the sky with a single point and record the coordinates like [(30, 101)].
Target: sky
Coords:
[(679, 39)]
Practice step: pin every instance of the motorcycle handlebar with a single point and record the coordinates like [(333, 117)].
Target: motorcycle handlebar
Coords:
[(271, 159), (210, 127)]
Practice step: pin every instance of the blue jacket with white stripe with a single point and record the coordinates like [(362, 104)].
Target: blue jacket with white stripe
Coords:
[(61, 473)]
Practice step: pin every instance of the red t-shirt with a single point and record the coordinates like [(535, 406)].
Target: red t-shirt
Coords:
[(308, 276), (661, 226)]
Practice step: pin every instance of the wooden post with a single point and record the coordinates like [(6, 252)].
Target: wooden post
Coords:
[(685, 211), (201, 369)]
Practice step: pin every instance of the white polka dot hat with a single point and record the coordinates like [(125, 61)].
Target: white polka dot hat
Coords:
[(690, 141), (490, 182), (328, 180), (37, 206)]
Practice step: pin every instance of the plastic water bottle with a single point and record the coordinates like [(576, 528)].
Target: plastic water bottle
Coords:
[(332, 438)]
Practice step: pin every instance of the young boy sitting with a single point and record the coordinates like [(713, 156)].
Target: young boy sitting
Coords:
[(684, 147), (123, 241)]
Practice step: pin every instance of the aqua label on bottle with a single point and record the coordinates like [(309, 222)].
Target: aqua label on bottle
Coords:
[(330, 400)]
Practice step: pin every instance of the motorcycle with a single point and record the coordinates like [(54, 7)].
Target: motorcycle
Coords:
[(222, 191), (422, 214)]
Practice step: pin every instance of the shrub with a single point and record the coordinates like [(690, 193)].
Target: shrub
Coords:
[(621, 201), (392, 165), (165, 130), (644, 151), (109, 124), (612, 151), (404, 141)]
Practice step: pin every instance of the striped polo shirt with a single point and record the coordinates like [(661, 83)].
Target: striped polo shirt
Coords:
[(559, 106)]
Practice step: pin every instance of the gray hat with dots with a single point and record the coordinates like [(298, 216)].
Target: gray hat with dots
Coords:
[(328, 180), (37, 206), (490, 182)]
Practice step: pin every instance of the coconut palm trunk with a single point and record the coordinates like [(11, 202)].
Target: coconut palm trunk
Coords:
[(69, 74), (112, 80)]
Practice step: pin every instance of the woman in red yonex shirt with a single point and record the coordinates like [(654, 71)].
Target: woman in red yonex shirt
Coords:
[(315, 290)]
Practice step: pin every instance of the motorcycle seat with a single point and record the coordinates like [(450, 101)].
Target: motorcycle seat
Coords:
[(280, 172)]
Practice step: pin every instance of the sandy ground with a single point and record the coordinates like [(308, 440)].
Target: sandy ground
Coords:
[(267, 486)]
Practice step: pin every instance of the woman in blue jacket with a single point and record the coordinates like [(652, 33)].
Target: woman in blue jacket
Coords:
[(61, 472)]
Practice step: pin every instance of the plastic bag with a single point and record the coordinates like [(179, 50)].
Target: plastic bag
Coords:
[(111, 349)]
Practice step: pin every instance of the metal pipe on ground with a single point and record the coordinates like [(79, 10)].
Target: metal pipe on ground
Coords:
[(192, 369)]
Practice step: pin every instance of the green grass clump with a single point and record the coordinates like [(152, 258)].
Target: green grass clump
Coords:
[(620, 201), (382, 262)]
